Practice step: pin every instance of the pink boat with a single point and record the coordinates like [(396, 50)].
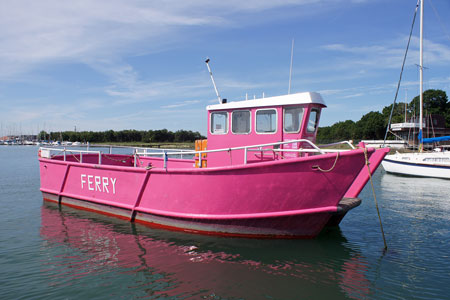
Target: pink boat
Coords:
[(259, 174)]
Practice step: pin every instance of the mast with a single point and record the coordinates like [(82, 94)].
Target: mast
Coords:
[(421, 79), (406, 104)]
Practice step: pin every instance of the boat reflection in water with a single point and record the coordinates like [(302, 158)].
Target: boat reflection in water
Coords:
[(117, 258)]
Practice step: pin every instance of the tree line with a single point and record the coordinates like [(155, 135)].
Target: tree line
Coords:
[(111, 136), (372, 126)]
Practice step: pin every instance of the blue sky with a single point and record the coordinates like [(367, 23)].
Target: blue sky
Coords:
[(134, 64)]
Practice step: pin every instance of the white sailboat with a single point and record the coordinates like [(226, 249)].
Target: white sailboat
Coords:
[(425, 164)]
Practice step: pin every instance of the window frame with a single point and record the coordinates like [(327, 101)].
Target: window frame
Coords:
[(317, 110), (276, 120), (226, 122), (249, 121), (301, 121)]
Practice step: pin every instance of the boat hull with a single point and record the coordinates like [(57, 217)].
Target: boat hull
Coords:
[(414, 164), (288, 198)]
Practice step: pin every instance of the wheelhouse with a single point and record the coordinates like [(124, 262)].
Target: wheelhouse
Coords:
[(262, 121)]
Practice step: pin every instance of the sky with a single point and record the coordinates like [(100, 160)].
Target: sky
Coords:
[(140, 64)]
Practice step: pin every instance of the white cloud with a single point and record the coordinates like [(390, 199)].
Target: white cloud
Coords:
[(352, 96), (181, 104), (34, 32), (391, 53)]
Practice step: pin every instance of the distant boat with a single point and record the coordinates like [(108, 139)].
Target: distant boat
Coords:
[(425, 164)]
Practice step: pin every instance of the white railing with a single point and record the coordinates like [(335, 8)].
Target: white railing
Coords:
[(253, 148), (47, 153), (349, 143), (165, 153)]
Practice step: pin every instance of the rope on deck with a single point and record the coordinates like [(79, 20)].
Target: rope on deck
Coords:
[(330, 169)]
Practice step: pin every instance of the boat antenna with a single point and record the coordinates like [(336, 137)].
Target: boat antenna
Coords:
[(214, 83), (290, 69)]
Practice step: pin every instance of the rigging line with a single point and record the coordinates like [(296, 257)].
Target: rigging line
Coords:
[(396, 135), (440, 21), (401, 72), (432, 127)]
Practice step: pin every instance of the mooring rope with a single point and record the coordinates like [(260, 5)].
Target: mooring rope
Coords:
[(332, 167), (375, 198), (74, 156)]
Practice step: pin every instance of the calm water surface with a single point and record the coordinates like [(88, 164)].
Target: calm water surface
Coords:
[(48, 252)]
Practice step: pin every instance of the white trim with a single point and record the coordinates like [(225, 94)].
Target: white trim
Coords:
[(249, 124), (276, 120), (292, 99), (226, 122), (301, 121), (317, 110)]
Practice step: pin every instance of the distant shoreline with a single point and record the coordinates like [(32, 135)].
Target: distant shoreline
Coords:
[(175, 145)]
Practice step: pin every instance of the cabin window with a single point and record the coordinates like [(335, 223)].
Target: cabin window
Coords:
[(240, 121), (266, 121), (219, 122), (437, 159), (313, 120), (292, 119)]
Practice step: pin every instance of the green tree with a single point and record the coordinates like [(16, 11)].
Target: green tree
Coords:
[(43, 135), (371, 126), (109, 136), (435, 102), (398, 115), (339, 131)]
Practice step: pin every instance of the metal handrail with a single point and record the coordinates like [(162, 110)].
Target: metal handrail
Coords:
[(340, 143), (314, 149), (64, 150), (241, 148), (300, 150), (159, 151), (165, 153)]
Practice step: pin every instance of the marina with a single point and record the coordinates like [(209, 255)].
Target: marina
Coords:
[(67, 253), (123, 177)]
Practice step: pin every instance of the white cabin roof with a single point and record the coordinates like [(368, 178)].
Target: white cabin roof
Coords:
[(299, 98)]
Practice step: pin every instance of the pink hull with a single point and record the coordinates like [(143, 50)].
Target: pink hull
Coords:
[(284, 198)]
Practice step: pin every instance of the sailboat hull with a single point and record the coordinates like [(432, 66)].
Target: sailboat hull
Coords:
[(436, 164)]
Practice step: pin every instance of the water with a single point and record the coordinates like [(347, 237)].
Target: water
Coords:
[(48, 252)]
